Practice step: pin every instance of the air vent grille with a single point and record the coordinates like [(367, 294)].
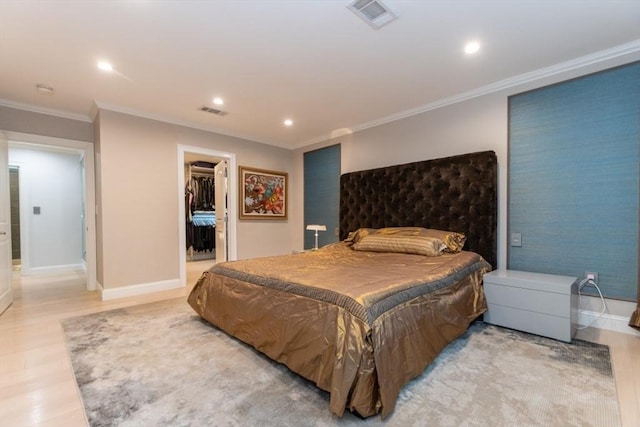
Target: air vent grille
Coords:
[(373, 12), (213, 111)]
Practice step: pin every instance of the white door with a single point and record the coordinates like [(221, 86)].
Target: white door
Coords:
[(221, 210), (6, 298)]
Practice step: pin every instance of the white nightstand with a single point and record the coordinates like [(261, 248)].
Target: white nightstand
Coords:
[(542, 304)]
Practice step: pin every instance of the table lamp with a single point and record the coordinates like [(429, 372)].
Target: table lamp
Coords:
[(316, 228)]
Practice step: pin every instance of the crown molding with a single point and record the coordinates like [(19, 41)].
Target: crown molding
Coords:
[(99, 105), (631, 48), (522, 79), (43, 110)]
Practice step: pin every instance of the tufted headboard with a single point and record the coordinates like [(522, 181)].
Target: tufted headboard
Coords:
[(457, 193)]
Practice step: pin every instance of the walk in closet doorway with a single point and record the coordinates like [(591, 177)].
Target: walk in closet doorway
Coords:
[(200, 208), (206, 205)]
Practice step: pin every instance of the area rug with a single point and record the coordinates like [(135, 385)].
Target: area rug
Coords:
[(159, 364)]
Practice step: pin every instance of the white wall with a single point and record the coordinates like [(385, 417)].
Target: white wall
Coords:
[(51, 180)]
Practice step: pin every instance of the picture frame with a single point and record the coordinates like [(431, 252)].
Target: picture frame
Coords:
[(263, 193)]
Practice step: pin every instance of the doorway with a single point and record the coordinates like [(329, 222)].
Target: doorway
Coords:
[(202, 209), (50, 230), (35, 202), (14, 200), (224, 217)]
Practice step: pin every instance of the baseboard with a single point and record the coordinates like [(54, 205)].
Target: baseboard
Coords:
[(54, 269), (141, 289), (606, 321)]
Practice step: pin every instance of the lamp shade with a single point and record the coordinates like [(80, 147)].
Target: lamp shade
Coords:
[(317, 227)]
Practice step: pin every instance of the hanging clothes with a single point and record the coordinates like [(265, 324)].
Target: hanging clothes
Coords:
[(204, 218), (188, 200), (204, 239), (204, 192), (200, 210)]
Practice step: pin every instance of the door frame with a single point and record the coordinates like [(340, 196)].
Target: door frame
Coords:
[(6, 267), (86, 150), (232, 204)]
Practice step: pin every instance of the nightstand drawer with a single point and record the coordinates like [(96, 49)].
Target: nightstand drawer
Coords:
[(558, 328), (529, 299)]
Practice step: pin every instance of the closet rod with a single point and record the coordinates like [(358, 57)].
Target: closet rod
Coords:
[(202, 174), (202, 169)]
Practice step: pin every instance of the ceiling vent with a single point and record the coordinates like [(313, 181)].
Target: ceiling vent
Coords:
[(373, 12), (213, 111)]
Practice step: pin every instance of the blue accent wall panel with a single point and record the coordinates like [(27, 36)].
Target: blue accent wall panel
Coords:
[(574, 179), (322, 194)]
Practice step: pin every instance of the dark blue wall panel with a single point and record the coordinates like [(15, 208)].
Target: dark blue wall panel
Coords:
[(322, 194), (574, 179)]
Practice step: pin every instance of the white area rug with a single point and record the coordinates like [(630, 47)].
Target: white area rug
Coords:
[(159, 364)]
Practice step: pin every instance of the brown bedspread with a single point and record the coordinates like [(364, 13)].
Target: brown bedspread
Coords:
[(358, 324)]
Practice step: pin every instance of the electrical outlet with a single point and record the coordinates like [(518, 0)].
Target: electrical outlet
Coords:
[(591, 275)]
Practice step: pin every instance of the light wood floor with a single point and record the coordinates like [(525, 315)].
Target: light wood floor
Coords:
[(37, 387)]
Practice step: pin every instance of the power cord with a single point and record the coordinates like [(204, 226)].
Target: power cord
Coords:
[(590, 282)]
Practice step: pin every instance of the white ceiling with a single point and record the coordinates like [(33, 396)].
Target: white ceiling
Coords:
[(310, 60)]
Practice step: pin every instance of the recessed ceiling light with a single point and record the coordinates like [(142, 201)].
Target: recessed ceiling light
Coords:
[(288, 122), (471, 47), (218, 101), (44, 89), (105, 66)]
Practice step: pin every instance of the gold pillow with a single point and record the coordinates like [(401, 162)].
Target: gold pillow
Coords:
[(454, 242), (419, 245), (355, 236)]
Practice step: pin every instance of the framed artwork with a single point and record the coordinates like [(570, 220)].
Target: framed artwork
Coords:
[(263, 194)]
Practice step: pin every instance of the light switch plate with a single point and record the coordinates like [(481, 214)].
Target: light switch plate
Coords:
[(516, 239)]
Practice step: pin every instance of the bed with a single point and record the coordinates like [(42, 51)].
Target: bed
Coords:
[(357, 320)]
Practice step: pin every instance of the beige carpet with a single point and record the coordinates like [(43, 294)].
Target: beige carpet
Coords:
[(160, 365)]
